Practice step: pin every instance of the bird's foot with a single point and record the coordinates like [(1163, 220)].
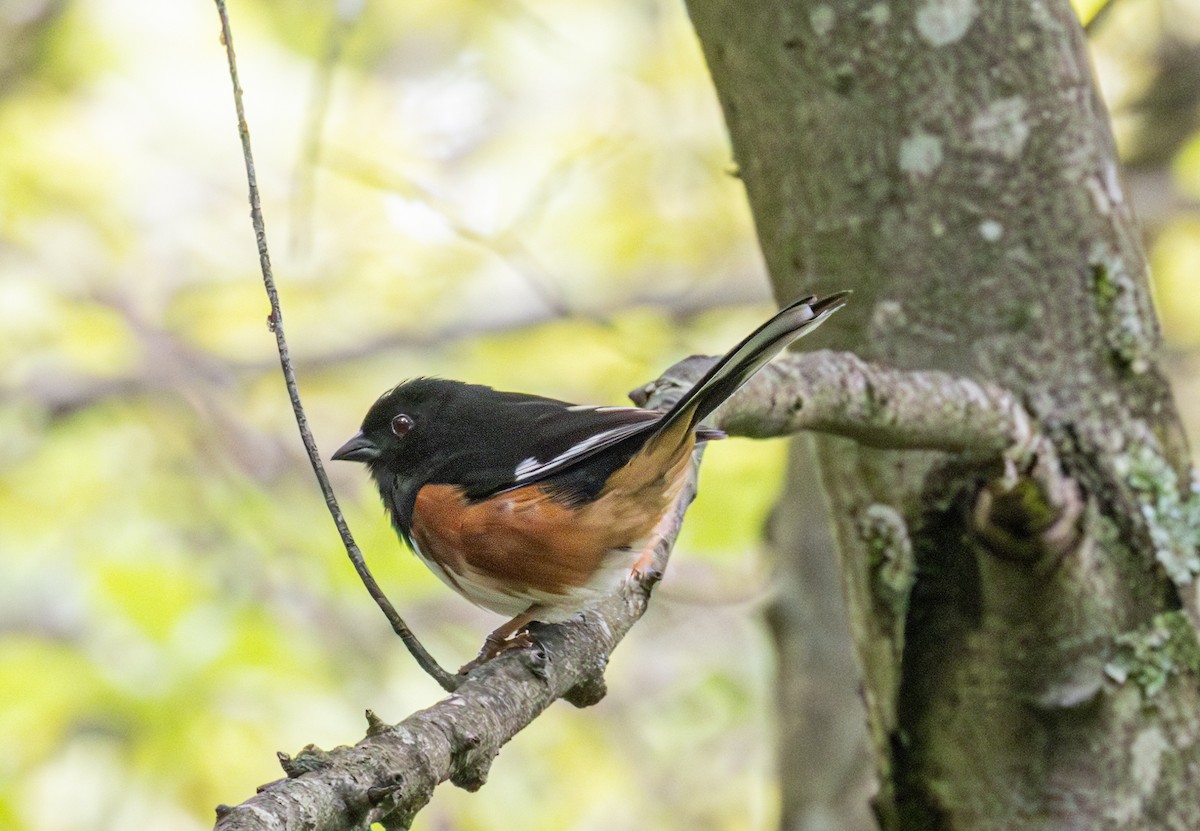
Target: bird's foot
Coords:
[(494, 645), (644, 572)]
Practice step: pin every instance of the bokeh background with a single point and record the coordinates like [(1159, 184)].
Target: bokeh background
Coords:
[(533, 194)]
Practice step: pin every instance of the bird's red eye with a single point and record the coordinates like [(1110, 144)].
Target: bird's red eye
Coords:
[(401, 424)]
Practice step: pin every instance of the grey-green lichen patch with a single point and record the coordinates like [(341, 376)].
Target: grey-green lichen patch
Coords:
[(1152, 655), (991, 230), (1105, 190), (942, 22), (879, 14), (893, 567), (1171, 512), (887, 318), (1129, 341), (1146, 758), (920, 154), (1001, 128), (310, 759), (822, 19)]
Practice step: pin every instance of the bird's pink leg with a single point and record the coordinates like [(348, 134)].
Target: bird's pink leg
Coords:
[(505, 637)]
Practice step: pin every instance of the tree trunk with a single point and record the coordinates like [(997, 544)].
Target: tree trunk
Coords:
[(1024, 666), (817, 680)]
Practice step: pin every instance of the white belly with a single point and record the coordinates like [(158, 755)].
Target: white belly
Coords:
[(486, 593)]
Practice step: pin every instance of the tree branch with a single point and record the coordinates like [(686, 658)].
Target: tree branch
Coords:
[(1030, 510), (840, 393)]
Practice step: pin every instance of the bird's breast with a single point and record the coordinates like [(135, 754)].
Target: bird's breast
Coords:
[(524, 547)]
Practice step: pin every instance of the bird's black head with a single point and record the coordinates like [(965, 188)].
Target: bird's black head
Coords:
[(399, 441)]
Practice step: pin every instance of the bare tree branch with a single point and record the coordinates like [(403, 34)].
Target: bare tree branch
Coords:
[(840, 393), (1030, 511), (391, 774)]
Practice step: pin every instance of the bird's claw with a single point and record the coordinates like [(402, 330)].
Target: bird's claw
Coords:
[(643, 574), (493, 647)]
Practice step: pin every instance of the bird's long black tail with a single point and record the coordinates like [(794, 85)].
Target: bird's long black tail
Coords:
[(795, 320)]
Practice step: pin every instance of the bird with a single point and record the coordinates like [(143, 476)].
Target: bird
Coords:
[(535, 508)]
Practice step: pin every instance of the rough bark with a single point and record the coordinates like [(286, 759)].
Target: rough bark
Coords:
[(952, 161), (816, 677)]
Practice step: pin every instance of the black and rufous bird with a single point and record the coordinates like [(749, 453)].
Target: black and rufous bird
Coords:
[(535, 508)]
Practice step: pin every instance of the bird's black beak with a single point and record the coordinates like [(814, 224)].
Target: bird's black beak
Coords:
[(358, 449)]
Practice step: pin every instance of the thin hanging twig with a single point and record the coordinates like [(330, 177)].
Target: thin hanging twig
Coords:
[(275, 323)]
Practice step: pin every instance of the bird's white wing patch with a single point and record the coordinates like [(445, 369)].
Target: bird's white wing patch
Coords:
[(533, 468), (591, 408), (525, 467)]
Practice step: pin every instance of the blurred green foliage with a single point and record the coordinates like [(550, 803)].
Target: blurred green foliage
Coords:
[(534, 195)]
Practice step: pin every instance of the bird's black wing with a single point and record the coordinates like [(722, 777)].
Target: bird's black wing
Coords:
[(518, 439), (582, 446), (529, 439)]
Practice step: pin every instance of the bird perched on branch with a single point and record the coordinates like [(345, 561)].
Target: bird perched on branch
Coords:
[(535, 508)]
